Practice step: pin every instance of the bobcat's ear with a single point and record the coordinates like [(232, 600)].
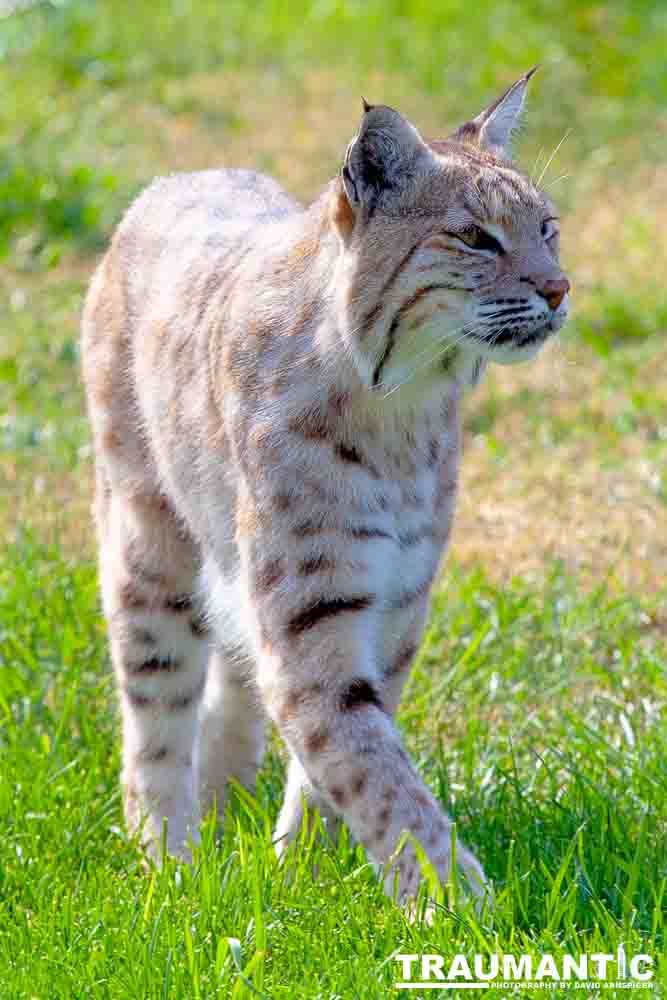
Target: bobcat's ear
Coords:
[(380, 159), (492, 129)]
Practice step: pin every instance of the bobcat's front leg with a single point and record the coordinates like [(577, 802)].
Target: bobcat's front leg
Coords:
[(321, 685)]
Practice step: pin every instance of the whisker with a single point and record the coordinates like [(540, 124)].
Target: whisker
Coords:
[(535, 165), (551, 183), (549, 161), (433, 357), (447, 343)]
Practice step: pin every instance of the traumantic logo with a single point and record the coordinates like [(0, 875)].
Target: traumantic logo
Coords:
[(597, 971)]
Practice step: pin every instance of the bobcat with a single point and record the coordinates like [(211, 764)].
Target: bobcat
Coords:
[(274, 393)]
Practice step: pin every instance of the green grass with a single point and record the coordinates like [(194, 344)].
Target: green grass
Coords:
[(534, 714), (537, 709)]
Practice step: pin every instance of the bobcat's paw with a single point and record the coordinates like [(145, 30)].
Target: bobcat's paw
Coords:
[(405, 874), (160, 840)]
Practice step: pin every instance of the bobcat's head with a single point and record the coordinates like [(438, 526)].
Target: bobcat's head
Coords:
[(449, 254)]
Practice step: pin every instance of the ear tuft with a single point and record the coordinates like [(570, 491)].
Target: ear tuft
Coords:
[(493, 128), (366, 106)]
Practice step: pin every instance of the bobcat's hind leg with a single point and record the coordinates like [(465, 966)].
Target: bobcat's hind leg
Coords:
[(148, 570), (232, 727)]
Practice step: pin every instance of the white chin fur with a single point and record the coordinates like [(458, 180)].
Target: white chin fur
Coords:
[(508, 355)]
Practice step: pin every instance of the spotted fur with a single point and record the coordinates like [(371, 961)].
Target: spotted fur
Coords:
[(274, 393)]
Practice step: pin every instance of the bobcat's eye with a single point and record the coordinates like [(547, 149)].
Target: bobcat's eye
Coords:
[(479, 239), (549, 229)]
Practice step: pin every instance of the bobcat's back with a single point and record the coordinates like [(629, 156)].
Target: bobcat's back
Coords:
[(146, 337), (190, 222)]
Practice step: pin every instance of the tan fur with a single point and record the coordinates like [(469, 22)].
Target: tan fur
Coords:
[(274, 394)]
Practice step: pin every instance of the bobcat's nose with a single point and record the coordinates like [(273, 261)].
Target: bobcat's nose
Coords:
[(554, 291)]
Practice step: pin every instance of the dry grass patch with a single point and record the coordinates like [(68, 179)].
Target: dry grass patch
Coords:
[(615, 236), (528, 499)]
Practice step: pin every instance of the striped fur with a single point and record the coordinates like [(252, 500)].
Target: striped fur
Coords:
[(274, 393)]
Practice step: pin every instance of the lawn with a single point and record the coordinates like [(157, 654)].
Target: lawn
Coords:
[(537, 709)]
